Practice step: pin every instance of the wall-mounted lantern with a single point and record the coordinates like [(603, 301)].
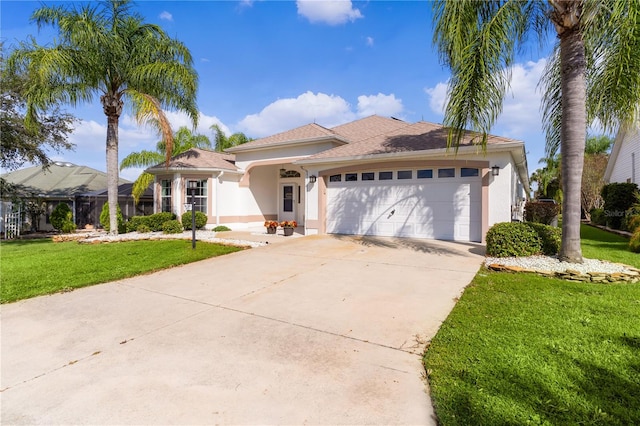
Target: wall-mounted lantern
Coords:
[(312, 179), (495, 171)]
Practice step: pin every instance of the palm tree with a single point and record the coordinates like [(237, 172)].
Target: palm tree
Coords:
[(593, 73), (183, 140), (106, 50), (223, 142)]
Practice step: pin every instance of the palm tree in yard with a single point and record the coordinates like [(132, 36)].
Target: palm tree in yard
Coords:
[(107, 50), (183, 140), (594, 73), (223, 142)]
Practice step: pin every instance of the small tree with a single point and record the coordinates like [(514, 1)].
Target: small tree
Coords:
[(105, 222), (60, 216), (592, 183)]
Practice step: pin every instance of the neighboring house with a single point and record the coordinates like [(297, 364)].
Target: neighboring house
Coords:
[(623, 165), (374, 176), (82, 188)]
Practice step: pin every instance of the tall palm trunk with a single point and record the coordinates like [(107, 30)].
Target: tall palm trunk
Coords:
[(573, 136), (112, 107)]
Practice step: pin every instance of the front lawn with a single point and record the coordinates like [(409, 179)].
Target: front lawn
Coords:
[(35, 267), (525, 349)]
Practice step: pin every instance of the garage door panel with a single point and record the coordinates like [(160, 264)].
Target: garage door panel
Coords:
[(441, 209)]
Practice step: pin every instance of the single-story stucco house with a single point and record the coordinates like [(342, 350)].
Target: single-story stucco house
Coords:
[(373, 176), (625, 155)]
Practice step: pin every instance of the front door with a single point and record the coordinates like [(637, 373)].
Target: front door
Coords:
[(288, 202)]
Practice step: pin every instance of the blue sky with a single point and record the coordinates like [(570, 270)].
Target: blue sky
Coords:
[(269, 66)]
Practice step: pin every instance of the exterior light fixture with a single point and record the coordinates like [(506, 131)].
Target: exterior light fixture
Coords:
[(312, 179), (192, 187), (495, 171)]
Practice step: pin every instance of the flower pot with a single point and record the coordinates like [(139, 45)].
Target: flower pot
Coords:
[(287, 231), (271, 230)]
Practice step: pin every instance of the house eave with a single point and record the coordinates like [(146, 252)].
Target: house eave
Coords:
[(192, 170), (297, 142)]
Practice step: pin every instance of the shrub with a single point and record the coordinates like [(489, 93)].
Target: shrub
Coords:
[(550, 237), (135, 222), (618, 198), (201, 220), (221, 228), (60, 216), (68, 227), (104, 219), (512, 239), (634, 242), (598, 217), (172, 227), (541, 212), (156, 220), (143, 229)]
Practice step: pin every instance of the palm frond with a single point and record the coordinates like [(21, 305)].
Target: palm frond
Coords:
[(141, 159), (140, 185)]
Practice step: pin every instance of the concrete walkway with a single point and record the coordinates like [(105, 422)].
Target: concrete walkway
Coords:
[(315, 330)]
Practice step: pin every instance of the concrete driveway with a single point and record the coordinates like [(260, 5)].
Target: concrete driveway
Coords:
[(315, 330)]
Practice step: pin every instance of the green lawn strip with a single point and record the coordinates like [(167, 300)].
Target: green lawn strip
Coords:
[(37, 267), (524, 349), (599, 244)]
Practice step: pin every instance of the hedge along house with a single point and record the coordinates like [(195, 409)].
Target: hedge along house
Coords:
[(373, 176)]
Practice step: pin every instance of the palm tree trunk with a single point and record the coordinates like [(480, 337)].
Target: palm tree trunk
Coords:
[(112, 107), (573, 136)]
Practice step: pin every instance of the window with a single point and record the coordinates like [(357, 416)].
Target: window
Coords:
[(335, 178), (200, 195), (467, 172), (446, 173), (425, 174), (368, 176), (351, 177), (405, 174), (165, 195), (385, 175)]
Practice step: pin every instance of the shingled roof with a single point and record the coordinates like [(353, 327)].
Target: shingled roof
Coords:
[(309, 132), (196, 158), (420, 136), (58, 180)]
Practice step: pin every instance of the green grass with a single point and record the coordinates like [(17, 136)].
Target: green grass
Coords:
[(599, 244), (524, 349), (35, 267)]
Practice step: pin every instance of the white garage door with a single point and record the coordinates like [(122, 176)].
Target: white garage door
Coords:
[(433, 203)]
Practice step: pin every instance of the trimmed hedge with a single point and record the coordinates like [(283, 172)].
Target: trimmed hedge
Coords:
[(540, 212), (550, 237), (154, 222), (172, 227), (143, 229), (201, 220), (523, 239), (512, 239), (618, 198), (221, 228)]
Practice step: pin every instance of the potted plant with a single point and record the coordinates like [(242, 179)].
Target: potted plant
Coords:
[(271, 226), (288, 226)]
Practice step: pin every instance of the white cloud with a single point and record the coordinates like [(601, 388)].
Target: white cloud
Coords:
[(331, 12), (285, 114), (380, 104), (437, 97), (166, 16), (326, 110), (369, 41), (521, 106)]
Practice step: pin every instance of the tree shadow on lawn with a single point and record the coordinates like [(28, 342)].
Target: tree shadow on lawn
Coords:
[(25, 242), (596, 396)]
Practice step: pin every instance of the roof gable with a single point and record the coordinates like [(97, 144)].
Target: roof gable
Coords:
[(308, 132), (368, 127), (196, 158)]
